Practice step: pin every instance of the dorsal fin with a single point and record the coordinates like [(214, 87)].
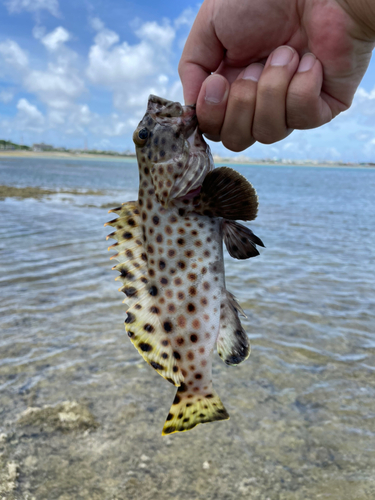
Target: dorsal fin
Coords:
[(143, 323), (228, 194)]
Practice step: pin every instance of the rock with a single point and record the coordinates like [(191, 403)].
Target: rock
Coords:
[(66, 416)]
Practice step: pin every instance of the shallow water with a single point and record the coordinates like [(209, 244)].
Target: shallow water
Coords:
[(302, 406)]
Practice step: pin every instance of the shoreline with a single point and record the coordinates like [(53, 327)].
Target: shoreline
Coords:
[(51, 155)]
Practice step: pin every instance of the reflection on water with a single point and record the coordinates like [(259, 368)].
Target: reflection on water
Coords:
[(302, 406)]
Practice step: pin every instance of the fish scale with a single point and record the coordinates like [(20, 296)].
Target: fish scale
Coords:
[(170, 253)]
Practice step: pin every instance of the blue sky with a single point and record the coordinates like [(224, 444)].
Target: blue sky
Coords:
[(79, 71)]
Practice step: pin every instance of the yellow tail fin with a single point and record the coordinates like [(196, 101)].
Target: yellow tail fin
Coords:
[(189, 410)]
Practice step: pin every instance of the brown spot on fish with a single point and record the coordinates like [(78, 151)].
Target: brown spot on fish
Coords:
[(181, 321), (157, 366), (190, 307), (168, 326), (196, 324), (190, 355), (145, 346), (130, 318), (180, 295), (194, 337), (180, 341), (153, 291)]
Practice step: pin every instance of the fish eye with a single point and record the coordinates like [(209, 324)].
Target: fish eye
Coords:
[(140, 137), (143, 134)]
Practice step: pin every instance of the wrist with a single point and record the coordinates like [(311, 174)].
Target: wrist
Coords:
[(363, 13)]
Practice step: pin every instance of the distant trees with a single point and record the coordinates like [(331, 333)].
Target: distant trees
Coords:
[(11, 146)]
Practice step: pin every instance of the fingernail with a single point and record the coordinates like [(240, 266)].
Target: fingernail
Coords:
[(282, 56), (253, 72), (307, 62), (216, 87)]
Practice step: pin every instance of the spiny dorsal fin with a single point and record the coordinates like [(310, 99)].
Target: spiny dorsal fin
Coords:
[(232, 343), (143, 324), (226, 193), (187, 412), (240, 240)]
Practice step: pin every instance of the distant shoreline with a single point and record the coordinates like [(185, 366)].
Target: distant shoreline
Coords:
[(229, 161)]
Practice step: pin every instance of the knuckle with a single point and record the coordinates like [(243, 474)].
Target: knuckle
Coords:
[(234, 144), (242, 94), (266, 136)]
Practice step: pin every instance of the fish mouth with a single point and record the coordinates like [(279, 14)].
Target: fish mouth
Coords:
[(189, 120)]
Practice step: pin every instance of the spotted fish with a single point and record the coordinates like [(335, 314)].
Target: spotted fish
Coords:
[(170, 253)]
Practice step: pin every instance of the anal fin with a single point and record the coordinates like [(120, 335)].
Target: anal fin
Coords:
[(240, 241), (232, 344)]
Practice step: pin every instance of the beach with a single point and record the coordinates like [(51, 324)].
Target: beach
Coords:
[(81, 413)]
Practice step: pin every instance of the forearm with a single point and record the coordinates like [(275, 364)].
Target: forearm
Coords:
[(363, 13)]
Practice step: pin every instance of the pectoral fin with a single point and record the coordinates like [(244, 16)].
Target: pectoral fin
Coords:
[(240, 240), (232, 344), (226, 193)]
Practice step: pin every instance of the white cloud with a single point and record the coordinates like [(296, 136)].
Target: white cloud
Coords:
[(29, 116), (54, 40), (15, 6), (13, 55), (57, 87), (186, 18), (132, 72)]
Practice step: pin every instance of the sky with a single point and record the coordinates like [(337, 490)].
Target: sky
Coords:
[(76, 73)]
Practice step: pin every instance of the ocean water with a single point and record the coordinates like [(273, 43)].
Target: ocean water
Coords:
[(302, 406)]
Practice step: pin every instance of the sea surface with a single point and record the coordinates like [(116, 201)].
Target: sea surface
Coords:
[(81, 413)]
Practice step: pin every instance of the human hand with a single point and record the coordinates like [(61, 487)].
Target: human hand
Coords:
[(277, 65)]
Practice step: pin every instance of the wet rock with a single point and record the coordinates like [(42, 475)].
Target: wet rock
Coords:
[(8, 477), (65, 417)]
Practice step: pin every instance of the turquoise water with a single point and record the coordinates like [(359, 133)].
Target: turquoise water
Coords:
[(302, 406)]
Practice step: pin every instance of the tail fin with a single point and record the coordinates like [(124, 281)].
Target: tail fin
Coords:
[(189, 410)]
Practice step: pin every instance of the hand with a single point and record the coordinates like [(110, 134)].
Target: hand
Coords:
[(277, 65)]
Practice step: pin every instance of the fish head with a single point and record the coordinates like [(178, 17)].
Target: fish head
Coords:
[(171, 150)]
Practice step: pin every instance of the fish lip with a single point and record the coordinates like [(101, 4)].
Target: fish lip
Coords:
[(189, 120)]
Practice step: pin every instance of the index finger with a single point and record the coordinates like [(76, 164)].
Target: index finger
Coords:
[(201, 56)]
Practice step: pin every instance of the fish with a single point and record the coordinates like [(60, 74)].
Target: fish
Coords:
[(169, 247)]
